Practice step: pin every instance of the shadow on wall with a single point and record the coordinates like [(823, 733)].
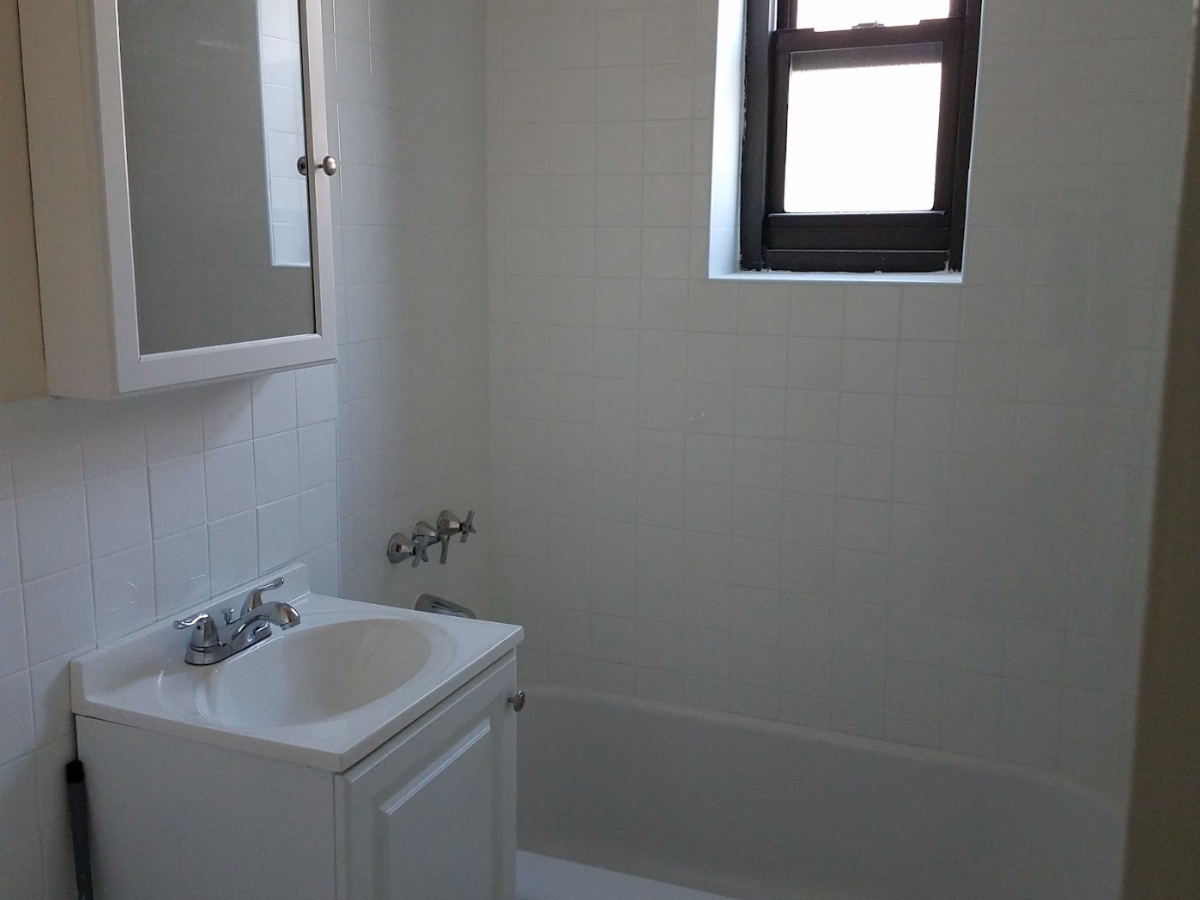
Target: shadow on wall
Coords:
[(22, 367)]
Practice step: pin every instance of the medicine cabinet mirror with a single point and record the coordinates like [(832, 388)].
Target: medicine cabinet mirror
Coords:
[(182, 233)]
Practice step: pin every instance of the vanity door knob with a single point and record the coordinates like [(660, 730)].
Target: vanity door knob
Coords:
[(329, 165), (518, 701)]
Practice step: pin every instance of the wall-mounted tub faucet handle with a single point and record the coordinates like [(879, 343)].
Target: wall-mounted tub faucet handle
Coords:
[(424, 536), (254, 598), (468, 526), (400, 548), (448, 525)]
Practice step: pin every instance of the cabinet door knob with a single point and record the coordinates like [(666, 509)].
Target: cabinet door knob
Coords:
[(518, 701), (328, 165)]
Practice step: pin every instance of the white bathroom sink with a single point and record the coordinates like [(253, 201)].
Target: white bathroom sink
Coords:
[(326, 670), (324, 693)]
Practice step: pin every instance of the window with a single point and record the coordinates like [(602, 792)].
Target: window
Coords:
[(857, 134)]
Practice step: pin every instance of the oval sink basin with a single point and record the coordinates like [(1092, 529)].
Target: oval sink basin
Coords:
[(311, 674)]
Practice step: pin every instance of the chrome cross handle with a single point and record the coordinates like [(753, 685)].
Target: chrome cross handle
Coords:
[(468, 526), (424, 536), (449, 525)]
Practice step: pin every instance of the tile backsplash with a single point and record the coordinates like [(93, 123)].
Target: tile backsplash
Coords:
[(115, 515), (915, 512)]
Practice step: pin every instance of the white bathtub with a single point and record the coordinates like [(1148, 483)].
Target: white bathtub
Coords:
[(759, 810)]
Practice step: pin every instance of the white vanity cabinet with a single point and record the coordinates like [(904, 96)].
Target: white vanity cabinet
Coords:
[(429, 815)]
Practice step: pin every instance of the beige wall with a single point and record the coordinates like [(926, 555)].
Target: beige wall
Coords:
[(22, 369), (1164, 822)]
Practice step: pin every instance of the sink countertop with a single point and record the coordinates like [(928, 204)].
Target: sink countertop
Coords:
[(142, 681)]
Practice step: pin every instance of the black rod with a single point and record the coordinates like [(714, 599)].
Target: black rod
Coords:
[(77, 805)]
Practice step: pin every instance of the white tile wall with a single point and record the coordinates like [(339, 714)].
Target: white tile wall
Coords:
[(121, 518), (407, 113), (913, 512)]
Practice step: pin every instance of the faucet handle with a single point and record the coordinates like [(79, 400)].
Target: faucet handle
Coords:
[(447, 523), (205, 635), (424, 536), (467, 526), (400, 548), (254, 598)]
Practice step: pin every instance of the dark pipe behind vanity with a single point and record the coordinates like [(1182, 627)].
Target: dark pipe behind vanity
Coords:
[(77, 806)]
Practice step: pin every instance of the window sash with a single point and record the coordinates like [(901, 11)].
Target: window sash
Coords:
[(909, 241)]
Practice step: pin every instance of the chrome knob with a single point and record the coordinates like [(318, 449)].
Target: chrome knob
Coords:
[(399, 549), (329, 165), (517, 701)]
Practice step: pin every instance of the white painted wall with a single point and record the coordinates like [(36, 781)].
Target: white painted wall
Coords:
[(916, 513)]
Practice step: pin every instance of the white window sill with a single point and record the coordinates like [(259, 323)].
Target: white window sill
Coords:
[(946, 278)]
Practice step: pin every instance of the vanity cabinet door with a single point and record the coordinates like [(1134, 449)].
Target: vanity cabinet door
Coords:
[(431, 815)]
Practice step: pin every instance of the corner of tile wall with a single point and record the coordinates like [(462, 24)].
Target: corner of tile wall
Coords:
[(407, 112)]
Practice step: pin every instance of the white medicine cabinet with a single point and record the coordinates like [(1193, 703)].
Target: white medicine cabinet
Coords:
[(181, 187)]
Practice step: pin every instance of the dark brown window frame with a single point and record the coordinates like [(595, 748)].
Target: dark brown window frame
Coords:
[(853, 242)]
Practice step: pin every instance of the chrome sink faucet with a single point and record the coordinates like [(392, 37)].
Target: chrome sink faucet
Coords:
[(212, 642)]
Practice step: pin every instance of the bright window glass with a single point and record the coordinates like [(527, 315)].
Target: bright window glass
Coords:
[(824, 15), (862, 138)]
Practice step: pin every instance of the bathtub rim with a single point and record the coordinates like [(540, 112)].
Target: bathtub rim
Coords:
[(1116, 803)]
